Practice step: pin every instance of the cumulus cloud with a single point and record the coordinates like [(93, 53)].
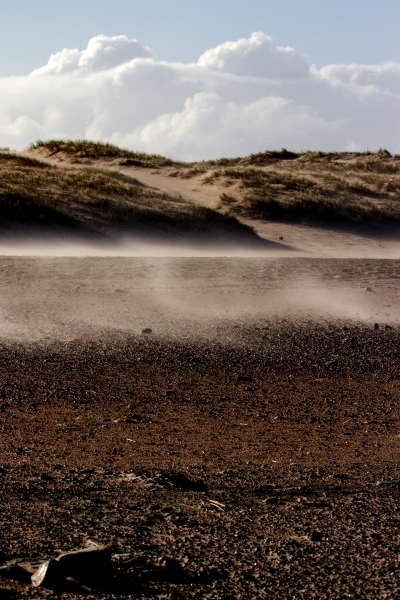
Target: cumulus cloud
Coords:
[(384, 77), (257, 56), (102, 53), (240, 97)]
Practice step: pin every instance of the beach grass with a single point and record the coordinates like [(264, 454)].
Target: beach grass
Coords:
[(87, 150), (36, 193), (311, 186)]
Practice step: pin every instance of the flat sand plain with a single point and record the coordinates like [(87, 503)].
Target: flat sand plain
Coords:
[(248, 447)]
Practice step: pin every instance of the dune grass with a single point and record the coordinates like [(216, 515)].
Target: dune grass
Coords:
[(344, 187), (91, 151), (335, 187), (90, 200)]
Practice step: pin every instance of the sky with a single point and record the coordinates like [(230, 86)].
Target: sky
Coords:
[(202, 79)]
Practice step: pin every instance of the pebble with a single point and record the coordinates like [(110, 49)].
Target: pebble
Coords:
[(271, 500), (376, 326), (170, 564), (147, 331), (244, 378)]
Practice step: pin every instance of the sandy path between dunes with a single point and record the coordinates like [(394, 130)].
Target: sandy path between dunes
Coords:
[(298, 240)]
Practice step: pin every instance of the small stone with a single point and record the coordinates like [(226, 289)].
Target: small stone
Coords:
[(172, 568), (271, 500), (147, 331), (119, 291), (316, 536), (332, 363), (376, 326), (281, 237), (368, 289), (88, 543)]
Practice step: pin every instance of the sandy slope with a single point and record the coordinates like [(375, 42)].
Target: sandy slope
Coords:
[(298, 239)]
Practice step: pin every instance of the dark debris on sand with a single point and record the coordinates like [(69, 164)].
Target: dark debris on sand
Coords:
[(266, 467)]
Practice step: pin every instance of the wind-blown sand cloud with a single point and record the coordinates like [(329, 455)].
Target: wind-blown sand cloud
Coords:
[(240, 97)]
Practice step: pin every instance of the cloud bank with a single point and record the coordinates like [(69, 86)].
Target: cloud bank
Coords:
[(240, 97)]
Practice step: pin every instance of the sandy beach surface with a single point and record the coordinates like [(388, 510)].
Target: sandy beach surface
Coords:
[(248, 447)]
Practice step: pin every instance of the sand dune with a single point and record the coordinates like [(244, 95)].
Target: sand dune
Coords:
[(329, 239)]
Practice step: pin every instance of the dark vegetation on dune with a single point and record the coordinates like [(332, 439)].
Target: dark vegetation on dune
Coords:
[(313, 187), (327, 187), (86, 150), (96, 201)]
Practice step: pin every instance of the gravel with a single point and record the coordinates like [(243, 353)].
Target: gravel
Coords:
[(260, 462)]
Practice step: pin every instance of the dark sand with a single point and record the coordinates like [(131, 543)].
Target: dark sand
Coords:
[(252, 437)]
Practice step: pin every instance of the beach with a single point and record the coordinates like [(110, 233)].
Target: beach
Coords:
[(246, 447)]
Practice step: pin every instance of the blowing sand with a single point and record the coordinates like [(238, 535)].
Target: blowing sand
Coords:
[(50, 298)]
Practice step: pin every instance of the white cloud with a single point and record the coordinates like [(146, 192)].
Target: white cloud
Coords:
[(240, 97), (102, 53), (258, 57), (384, 77), (199, 129)]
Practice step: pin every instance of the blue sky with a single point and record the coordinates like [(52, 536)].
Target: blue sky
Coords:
[(329, 31), (202, 79)]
